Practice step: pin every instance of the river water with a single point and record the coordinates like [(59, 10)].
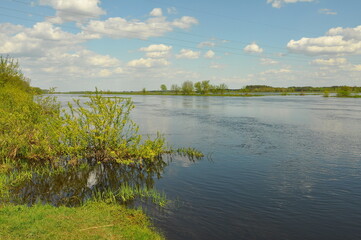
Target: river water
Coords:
[(277, 167)]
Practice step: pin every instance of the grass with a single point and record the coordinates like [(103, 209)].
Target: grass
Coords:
[(91, 221)]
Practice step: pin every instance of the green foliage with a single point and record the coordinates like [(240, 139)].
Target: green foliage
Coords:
[(163, 87), (326, 93), (175, 88), (187, 87), (127, 193), (11, 75), (344, 92), (203, 87), (222, 88)]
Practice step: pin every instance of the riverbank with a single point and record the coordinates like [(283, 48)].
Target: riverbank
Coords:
[(91, 221), (47, 157)]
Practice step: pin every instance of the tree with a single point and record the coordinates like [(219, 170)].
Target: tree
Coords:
[(175, 88), (198, 87), (205, 87), (187, 87), (202, 87), (163, 87), (222, 88)]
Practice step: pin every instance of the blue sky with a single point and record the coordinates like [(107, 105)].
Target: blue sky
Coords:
[(134, 44)]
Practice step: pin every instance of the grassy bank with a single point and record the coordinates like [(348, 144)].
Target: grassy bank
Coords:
[(91, 221), (48, 154)]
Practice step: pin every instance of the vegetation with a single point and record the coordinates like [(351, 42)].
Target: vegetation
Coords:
[(205, 88), (187, 87), (91, 221), (326, 93), (163, 87), (48, 154), (343, 92)]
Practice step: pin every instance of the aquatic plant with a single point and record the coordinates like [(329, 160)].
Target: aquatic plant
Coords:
[(344, 92), (326, 93)]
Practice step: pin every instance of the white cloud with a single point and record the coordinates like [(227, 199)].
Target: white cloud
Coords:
[(35, 41), (74, 11), (118, 27), (157, 51), (280, 3), (189, 54), (206, 44), (253, 48), (156, 12), (209, 54), (346, 33), (268, 61), (330, 61), (276, 71), (338, 41), (327, 11), (156, 48), (148, 63)]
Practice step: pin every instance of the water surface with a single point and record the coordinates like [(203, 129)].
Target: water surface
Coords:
[(278, 167)]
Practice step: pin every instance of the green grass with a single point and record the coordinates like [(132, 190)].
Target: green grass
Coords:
[(91, 221)]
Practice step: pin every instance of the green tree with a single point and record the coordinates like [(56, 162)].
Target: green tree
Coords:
[(222, 88), (187, 87), (198, 87), (11, 75), (206, 87), (163, 87), (175, 88)]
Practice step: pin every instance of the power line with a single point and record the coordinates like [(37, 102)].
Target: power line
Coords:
[(169, 43), (170, 38), (174, 31), (227, 16)]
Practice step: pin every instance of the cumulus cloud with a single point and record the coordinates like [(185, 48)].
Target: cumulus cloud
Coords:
[(73, 11), (330, 61), (118, 27), (253, 48), (338, 41), (157, 50), (280, 3), (268, 61), (35, 41), (184, 22), (276, 71), (156, 12), (327, 11), (148, 63), (209, 54), (188, 54)]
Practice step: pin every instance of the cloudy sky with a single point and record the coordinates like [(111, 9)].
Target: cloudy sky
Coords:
[(131, 44)]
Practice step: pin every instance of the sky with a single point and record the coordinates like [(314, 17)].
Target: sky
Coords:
[(123, 45)]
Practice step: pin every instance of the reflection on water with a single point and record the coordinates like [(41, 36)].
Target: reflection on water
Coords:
[(73, 186), (283, 167)]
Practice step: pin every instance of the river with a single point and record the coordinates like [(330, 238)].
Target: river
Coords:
[(277, 167)]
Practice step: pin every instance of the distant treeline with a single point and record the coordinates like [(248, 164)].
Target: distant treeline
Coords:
[(265, 88), (206, 88)]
